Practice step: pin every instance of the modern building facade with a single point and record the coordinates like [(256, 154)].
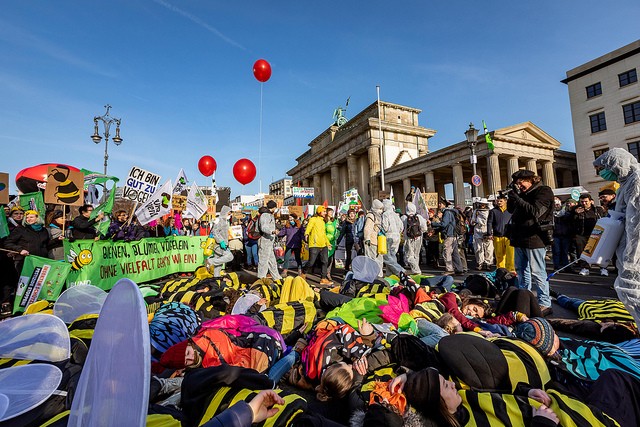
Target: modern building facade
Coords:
[(604, 96), (349, 157), (281, 187)]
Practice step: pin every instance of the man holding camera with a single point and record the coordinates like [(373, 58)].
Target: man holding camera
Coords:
[(531, 206)]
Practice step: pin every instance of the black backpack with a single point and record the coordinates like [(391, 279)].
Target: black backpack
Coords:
[(461, 224), (413, 226)]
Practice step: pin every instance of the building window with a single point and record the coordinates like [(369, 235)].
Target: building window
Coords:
[(594, 90), (598, 122), (631, 113), (634, 148), (628, 77), (599, 152)]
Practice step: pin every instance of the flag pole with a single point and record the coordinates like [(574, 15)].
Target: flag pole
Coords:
[(380, 135)]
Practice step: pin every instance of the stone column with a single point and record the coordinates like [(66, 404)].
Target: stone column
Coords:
[(363, 187), (406, 187), (335, 184), (306, 182), (429, 182), (344, 178), (493, 174), (441, 190), (352, 170), (567, 178), (512, 166), (458, 185), (374, 170), (532, 165), (548, 174), (317, 188)]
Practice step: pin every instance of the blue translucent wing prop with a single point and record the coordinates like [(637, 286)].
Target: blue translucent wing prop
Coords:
[(365, 269), (26, 387), (113, 390), (77, 301), (34, 337)]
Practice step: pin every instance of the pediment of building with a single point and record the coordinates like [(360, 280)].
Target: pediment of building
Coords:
[(526, 133)]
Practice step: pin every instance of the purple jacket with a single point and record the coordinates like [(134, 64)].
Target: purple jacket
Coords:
[(294, 236)]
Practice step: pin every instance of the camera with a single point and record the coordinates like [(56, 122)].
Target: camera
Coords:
[(511, 188)]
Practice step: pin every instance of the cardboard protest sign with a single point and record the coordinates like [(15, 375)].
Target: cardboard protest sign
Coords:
[(178, 203), (140, 185), (297, 210), (64, 186), (4, 188), (235, 231), (211, 205), (431, 200)]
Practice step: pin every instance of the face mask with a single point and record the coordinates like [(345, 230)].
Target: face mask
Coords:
[(608, 175), (292, 222)]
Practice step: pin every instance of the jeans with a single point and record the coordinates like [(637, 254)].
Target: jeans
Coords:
[(283, 366), (252, 252), (569, 303), (530, 266), (430, 333), (561, 245), (323, 253)]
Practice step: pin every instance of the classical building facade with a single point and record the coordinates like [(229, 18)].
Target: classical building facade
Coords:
[(605, 108), (349, 157)]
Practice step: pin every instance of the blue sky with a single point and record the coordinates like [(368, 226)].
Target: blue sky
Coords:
[(179, 74)]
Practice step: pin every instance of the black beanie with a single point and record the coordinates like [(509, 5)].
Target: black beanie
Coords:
[(271, 204), (423, 390)]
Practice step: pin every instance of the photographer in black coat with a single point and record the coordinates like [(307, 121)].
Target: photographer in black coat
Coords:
[(531, 206)]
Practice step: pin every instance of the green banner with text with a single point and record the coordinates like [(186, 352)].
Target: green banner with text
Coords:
[(102, 263), (40, 279)]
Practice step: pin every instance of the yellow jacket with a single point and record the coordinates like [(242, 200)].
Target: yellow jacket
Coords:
[(316, 232)]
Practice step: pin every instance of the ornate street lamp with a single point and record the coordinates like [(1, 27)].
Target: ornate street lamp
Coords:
[(107, 120), (472, 136)]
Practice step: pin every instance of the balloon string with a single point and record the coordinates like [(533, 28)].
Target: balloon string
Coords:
[(260, 144)]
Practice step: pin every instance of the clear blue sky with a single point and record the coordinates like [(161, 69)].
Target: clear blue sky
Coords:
[(179, 74)]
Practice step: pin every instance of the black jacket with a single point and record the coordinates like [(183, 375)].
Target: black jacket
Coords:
[(530, 209), (83, 228), (584, 221), (36, 242), (497, 221)]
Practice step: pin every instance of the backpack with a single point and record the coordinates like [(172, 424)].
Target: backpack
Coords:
[(461, 224), (413, 226), (253, 228)]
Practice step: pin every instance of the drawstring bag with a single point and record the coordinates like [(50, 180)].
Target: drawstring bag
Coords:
[(382, 244)]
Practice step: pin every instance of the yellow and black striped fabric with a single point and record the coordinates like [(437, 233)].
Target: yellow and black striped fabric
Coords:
[(600, 310), (267, 289), (373, 290), (430, 310), (526, 364), (83, 328), (495, 409), (287, 317), (382, 374), (178, 285), (153, 420), (8, 363), (226, 397)]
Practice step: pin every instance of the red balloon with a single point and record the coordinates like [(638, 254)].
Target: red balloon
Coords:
[(207, 165), (262, 70), (244, 171), (32, 179)]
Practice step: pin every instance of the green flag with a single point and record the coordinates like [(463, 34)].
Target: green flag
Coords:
[(487, 137), (33, 201), (96, 178), (40, 279), (105, 207), (4, 227)]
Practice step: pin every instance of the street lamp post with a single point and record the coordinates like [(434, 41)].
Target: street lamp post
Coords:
[(107, 121), (472, 136)]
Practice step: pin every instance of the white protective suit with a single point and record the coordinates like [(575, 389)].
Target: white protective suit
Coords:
[(392, 226), (412, 246), (627, 284), (371, 229), (482, 246), (266, 256), (220, 232)]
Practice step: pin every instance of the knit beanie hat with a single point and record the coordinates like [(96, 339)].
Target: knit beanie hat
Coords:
[(423, 390), (539, 333), (271, 204), (320, 209), (174, 357), (377, 205)]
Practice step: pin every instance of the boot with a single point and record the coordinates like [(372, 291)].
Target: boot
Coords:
[(325, 282)]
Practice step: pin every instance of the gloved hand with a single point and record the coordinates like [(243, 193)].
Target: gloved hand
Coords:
[(223, 245)]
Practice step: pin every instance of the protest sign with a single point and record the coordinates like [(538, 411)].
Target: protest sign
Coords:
[(33, 201), (211, 205), (4, 188), (181, 182), (64, 186), (302, 192), (431, 200), (235, 231), (178, 203), (140, 185), (102, 263), (40, 279), (296, 210), (158, 205), (236, 207), (196, 203)]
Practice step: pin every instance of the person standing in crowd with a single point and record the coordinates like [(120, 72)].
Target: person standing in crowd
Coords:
[(446, 224), (562, 234), (360, 232), (236, 245), (315, 235), (252, 235), (432, 237), (411, 195), (619, 165), (15, 218), (414, 227), (331, 228), (607, 199), (266, 257), (392, 227), (348, 233), (120, 228), (170, 228), (584, 218), (372, 227), (56, 236), (30, 239), (499, 217), (220, 233), (293, 232), (8, 274), (482, 244), (531, 206), (83, 227)]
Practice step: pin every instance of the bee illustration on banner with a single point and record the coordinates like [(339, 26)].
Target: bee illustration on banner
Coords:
[(67, 192), (79, 260)]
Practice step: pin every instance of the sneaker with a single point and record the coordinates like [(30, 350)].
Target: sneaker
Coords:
[(553, 293), (584, 272), (604, 272), (326, 282)]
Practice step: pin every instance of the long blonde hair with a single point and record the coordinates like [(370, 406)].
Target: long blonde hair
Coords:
[(335, 383)]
